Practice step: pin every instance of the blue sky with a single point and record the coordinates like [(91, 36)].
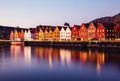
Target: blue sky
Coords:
[(30, 13)]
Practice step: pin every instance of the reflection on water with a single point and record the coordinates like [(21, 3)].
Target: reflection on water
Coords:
[(16, 52), (97, 62), (27, 54), (65, 56)]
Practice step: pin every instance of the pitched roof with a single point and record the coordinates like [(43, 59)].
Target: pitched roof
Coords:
[(78, 26)]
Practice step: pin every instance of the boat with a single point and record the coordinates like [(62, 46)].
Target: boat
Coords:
[(17, 41)]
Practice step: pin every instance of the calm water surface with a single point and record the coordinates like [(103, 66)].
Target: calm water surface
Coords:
[(26, 63)]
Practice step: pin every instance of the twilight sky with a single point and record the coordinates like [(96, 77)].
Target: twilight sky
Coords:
[(30, 13)]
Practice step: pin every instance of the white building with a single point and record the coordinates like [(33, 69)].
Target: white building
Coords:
[(68, 33), (62, 34), (25, 35), (29, 35)]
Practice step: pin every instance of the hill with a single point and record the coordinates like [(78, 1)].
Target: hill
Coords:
[(113, 20)]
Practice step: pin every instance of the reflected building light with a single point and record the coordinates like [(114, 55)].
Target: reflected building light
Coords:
[(89, 52), (98, 67), (65, 56), (100, 61), (50, 57), (27, 54), (36, 51), (50, 61), (83, 57), (39, 52), (15, 51), (3, 54)]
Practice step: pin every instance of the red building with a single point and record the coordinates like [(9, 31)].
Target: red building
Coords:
[(100, 33), (22, 34), (83, 33), (91, 31), (75, 32), (12, 35), (117, 31), (36, 35)]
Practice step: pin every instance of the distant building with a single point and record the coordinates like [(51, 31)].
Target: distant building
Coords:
[(57, 34), (75, 32), (110, 32), (68, 33), (41, 35), (117, 31), (91, 31), (83, 32), (63, 34), (100, 33)]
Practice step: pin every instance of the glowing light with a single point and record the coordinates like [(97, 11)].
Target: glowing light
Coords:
[(27, 54), (65, 56)]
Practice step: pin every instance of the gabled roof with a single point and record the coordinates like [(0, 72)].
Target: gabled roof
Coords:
[(59, 27), (86, 24), (94, 24), (78, 26), (100, 26)]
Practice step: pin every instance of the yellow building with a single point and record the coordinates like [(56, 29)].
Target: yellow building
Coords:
[(56, 34), (41, 35), (50, 35), (46, 34)]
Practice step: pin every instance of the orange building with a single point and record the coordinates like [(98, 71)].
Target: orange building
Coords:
[(12, 35), (46, 34), (91, 31), (83, 33), (56, 34), (50, 34)]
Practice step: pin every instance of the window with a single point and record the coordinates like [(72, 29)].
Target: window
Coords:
[(113, 31), (107, 30), (112, 34), (107, 34), (110, 30), (98, 30)]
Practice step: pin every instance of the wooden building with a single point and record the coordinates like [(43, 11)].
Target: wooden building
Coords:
[(83, 32), (75, 32), (56, 34), (100, 33), (91, 31)]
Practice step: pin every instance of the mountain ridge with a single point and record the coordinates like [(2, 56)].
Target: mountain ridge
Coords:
[(109, 19)]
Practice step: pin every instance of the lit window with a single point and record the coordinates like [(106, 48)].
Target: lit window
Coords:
[(113, 30), (110, 30), (107, 30), (112, 34)]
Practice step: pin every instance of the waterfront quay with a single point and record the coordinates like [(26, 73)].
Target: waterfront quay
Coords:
[(5, 42), (69, 44), (76, 44)]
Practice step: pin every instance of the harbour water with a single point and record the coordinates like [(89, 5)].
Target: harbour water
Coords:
[(35, 63)]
